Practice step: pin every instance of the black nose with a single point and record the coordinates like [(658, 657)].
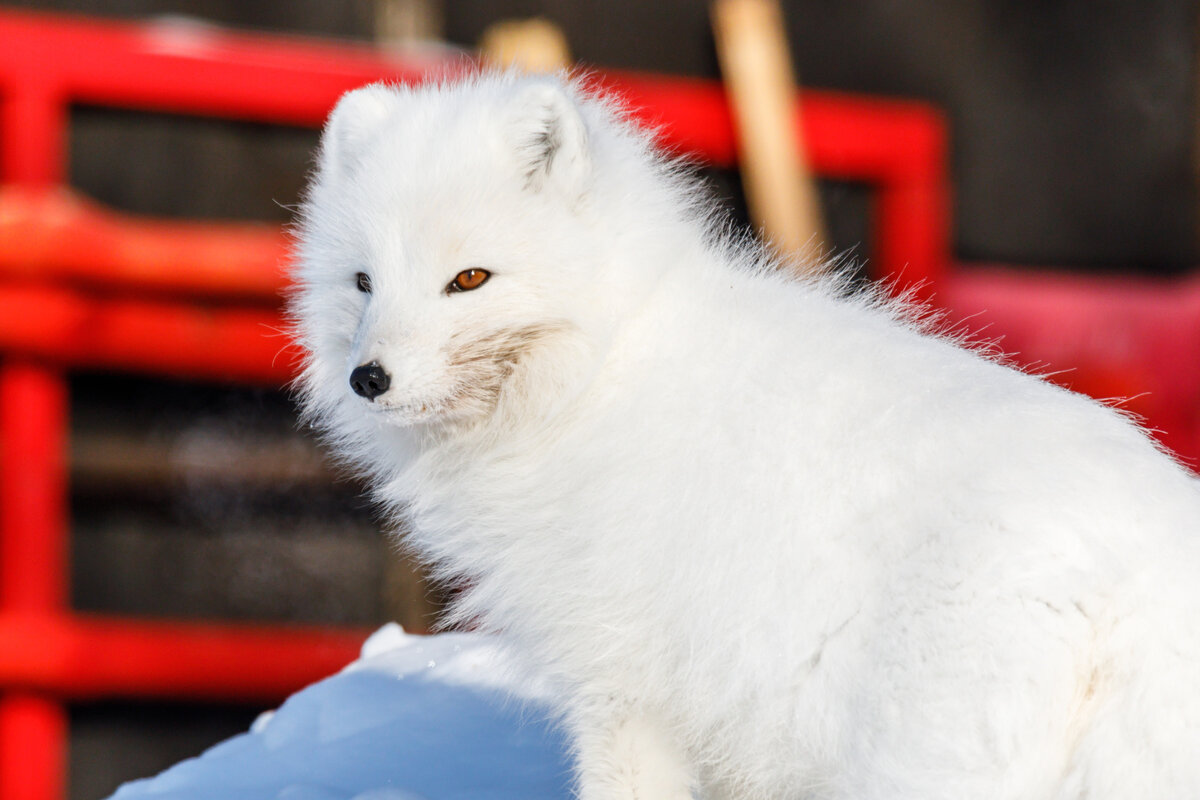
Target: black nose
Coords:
[(369, 380)]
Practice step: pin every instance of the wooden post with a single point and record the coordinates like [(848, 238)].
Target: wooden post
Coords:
[(780, 192), (400, 23), (533, 45), (408, 595)]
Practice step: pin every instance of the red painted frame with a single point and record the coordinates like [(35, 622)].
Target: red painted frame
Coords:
[(80, 286)]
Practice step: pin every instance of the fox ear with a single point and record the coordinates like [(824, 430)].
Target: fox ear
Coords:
[(550, 137), (356, 117)]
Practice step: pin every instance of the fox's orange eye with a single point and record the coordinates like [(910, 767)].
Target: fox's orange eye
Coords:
[(467, 280)]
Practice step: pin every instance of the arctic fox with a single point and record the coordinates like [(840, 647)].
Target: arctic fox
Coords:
[(772, 538)]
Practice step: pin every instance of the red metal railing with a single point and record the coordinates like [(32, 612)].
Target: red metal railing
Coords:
[(81, 286)]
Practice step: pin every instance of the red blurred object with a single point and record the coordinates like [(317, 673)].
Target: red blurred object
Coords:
[(85, 287), (1132, 341), (55, 235), (89, 656)]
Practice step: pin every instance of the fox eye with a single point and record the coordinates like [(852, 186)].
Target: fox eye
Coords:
[(363, 281), (467, 280)]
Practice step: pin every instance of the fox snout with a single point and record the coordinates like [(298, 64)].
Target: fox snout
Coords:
[(370, 380)]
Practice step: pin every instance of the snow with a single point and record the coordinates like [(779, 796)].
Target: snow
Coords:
[(415, 718)]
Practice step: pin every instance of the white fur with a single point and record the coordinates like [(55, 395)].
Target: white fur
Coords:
[(773, 539)]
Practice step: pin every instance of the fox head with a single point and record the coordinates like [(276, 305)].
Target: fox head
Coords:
[(468, 252), (447, 259)]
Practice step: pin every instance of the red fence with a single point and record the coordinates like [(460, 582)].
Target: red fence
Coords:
[(85, 287)]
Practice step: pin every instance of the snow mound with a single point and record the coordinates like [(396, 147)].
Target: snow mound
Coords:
[(415, 718)]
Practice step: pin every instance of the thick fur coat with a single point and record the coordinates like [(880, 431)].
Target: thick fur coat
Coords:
[(772, 538)]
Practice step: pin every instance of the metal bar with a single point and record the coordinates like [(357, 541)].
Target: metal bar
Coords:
[(88, 656), (33, 535), (73, 328), (33, 568), (33, 517), (58, 235), (196, 68), (32, 133), (33, 735)]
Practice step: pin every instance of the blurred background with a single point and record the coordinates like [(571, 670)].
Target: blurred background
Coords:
[(1070, 170)]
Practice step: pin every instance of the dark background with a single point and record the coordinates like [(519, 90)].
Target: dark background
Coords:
[(1072, 146)]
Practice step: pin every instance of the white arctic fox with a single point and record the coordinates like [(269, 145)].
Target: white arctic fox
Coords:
[(772, 538)]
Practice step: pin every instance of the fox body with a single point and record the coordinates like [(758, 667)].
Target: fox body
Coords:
[(770, 537)]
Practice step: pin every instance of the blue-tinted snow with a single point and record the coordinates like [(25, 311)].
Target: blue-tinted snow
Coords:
[(434, 717)]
